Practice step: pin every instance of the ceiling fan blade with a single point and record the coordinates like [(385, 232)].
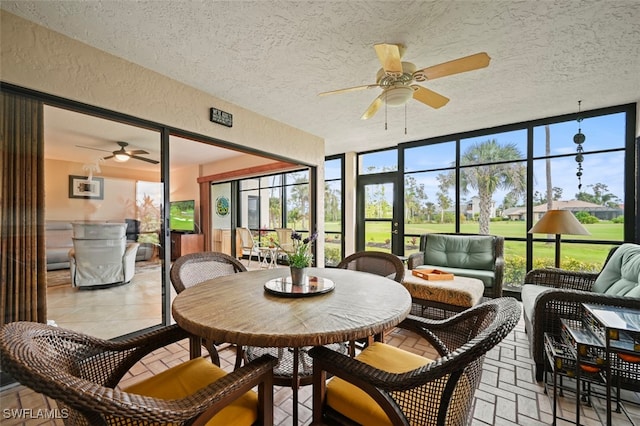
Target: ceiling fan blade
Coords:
[(429, 97), (108, 157), (349, 89), (95, 149), (389, 56), (468, 63), (373, 108), (137, 151), (148, 160)]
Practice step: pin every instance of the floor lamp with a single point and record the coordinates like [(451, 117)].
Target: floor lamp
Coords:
[(558, 222)]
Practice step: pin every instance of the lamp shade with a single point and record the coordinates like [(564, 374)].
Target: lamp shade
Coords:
[(558, 222), (399, 95)]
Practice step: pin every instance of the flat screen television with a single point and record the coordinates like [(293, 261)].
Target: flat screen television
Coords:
[(182, 216)]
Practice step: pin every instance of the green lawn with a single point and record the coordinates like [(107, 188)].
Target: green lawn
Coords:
[(543, 252)]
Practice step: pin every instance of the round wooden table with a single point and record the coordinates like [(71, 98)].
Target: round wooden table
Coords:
[(237, 309)]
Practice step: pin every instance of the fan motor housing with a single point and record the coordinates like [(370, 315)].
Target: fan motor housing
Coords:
[(387, 80)]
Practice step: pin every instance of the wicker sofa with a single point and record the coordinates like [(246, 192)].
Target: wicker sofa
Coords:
[(550, 294), (466, 255)]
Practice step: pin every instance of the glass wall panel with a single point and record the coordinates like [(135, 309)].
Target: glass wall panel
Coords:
[(271, 181), (430, 157), (428, 203), (301, 176), (333, 207), (249, 184), (332, 249), (273, 197), (297, 207), (378, 201), (573, 256), (602, 132), (515, 262), (378, 162), (497, 147), (377, 235), (599, 202), (411, 245), (333, 212), (333, 169), (485, 188)]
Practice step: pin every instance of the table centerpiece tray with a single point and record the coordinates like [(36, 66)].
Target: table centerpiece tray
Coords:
[(432, 274), (312, 286)]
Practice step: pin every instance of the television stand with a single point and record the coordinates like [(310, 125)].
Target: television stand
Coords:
[(182, 244)]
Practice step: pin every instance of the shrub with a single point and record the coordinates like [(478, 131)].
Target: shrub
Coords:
[(586, 217), (331, 256), (619, 219), (515, 267)]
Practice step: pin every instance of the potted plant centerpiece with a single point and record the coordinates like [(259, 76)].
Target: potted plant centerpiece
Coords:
[(299, 256)]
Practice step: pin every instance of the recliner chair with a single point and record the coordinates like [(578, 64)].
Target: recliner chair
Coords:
[(101, 255)]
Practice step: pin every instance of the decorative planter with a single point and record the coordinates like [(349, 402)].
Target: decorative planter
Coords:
[(298, 275)]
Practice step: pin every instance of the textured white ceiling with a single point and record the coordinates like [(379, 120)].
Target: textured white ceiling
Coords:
[(274, 57)]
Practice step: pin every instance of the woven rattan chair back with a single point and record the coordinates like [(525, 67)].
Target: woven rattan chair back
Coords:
[(375, 262), (82, 374), (194, 268), (441, 392)]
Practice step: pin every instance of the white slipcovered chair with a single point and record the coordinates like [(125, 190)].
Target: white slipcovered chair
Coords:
[(101, 255)]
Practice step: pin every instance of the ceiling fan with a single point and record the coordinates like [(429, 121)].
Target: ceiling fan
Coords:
[(122, 155), (396, 78)]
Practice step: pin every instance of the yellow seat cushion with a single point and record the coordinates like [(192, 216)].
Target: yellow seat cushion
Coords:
[(187, 378), (353, 402)]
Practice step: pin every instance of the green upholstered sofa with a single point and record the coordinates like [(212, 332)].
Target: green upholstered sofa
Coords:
[(550, 294), (466, 255)]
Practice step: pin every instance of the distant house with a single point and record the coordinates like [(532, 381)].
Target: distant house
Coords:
[(473, 208), (575, 206)]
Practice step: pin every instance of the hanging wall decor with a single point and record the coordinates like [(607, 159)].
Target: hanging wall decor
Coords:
[(579, 139)]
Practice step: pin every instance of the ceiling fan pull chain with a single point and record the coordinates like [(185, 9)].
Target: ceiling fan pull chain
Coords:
[(405, 119), (385, 111)]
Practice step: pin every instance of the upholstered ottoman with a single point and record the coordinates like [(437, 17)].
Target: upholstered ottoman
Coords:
[(442, 298)]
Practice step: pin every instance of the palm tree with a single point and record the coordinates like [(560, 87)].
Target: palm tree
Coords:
[(498, 169)]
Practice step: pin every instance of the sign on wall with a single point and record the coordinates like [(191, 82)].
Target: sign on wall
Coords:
[(221, 117)]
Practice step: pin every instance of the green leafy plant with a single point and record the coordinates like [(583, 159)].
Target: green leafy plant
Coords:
[(300, 255)]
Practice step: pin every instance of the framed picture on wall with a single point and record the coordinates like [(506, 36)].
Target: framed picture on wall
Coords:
[(82, 187)]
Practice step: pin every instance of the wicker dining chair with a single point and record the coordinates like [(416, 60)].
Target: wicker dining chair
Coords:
[(82, 373), (385, 385), (194, 268), (375, 262)]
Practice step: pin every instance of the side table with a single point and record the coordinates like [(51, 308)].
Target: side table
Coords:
[(603, 348)]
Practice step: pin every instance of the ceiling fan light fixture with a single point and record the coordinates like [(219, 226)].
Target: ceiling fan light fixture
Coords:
[(398, 95), (121, 157)]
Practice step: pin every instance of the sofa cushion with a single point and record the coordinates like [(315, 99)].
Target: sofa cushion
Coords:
[(621, 275), (529, 294), (465, 252), (487, 277), (58, 234)]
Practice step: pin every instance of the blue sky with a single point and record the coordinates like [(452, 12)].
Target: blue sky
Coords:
[(603, 132)]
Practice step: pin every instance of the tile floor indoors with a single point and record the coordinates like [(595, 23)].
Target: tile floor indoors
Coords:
[(507, 394)]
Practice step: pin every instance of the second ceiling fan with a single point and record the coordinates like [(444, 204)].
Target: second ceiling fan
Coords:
[(396, 78), (122, 155)]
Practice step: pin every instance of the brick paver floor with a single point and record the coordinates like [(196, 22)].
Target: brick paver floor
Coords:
[(507, 395)]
